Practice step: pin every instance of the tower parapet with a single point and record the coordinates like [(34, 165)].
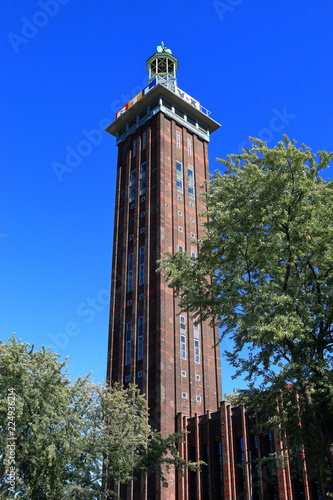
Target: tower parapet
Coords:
[(162, 94)]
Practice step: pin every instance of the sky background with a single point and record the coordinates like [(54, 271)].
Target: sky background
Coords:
[(262, 67)]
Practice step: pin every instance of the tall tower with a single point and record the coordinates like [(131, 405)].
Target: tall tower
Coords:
[(162, 136)]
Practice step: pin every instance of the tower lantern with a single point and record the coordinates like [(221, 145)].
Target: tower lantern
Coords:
[(162, 64)]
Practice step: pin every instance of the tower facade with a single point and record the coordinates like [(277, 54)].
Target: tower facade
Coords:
[(162, 136)]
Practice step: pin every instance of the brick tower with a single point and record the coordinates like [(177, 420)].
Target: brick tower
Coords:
[(162, 136)]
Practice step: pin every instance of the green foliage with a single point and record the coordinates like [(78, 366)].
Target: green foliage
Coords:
[(60, 431), (238, 397), (264, 275)]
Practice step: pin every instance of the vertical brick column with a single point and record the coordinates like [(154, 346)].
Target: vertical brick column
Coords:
[(225, 434), (182, 446), (246, 454), (197, 453)]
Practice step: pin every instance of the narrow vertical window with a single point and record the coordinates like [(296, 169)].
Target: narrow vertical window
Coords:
[(132, 186), (189, 146), (134, 148), (178, 139), (140, 338), (196, 343), (128, 343), (190, 178), (130, 273), (196, 351), (142, 266), (144, 140), (183, 346), (179, 176), (182, 338), (143, 178)]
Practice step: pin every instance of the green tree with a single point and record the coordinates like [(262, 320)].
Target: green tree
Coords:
[(55, 433), (264, 275)]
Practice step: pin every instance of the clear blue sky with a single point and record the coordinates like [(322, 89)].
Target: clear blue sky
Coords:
[(263, 68)]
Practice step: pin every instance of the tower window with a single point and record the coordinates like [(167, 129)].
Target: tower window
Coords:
[(191, 121), (192, 219), (140, 338), (183, 346), (144, 140), (180, 229), (142, 230), (198, 378), (203, 128), (143, 114), (122, 131), (166, 104), (180, 213), (190, 177), (131, 123), (128, 343), (134, 149), (198, 399), (130, 273), (140, 374), (132, 185), (142, 266), (182, 338), (127, 378), (143, 178), (183, 373), (196, 351), (143, 214), (179, 113), (180, 249), (189, 146), (131, 237), (184, 395), (196, 343), (178, 139), (154, 105), (179, 176)]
